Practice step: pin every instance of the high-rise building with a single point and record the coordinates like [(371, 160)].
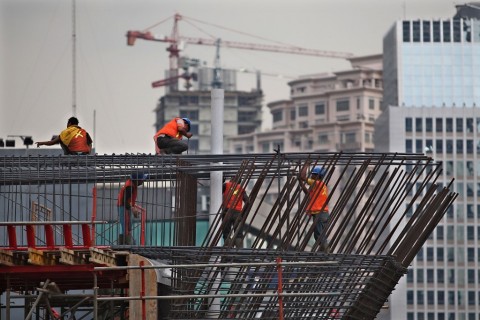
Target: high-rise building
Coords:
[(431, 100), (325, 113), (242, 109)]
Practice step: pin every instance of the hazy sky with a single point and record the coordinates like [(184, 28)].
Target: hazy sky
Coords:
[(114, 79)]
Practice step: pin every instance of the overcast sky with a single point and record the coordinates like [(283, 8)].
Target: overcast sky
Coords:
[(114, 79)]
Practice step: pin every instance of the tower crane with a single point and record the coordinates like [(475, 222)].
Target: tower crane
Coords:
[(175, 39)]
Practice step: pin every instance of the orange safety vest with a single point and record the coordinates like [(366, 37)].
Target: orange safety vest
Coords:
[(75, 138), (170, 129), (235, 201), (318, 194), (121, 194)]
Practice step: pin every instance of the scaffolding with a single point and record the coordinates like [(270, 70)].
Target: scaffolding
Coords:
[(60, 212)]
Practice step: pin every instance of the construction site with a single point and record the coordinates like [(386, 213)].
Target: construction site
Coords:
[(61, 257)]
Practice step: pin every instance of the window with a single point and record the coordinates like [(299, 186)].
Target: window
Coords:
[(277, 115), (419, 275), (451, 298), (470, 233), (430, 275), (420, 296), (429, 254), (409, 297), (440, 254), (469, 146), (470, 125), (428, 125), (449, 146), (459, 146), (408, 124), (430, 297), (447, 36), (441, 297), (410, 276), (456, 30), (416, 31), (438, 124), (371, 104), (406, 31), (323, 138), (191, 114), (471, 276), (459, 123), (426, 31), (320, 108), (418, 125), (440, 276), (436, 31), (246, 116), (439, 232), (449, 124), (343, 105), (293, 114), (419, 146), (470, 254), (420, 255), (303, 111), (471, 298), (439, 146)]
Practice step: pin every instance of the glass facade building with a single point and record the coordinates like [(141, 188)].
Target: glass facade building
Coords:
[(431, 105), (432, 63)]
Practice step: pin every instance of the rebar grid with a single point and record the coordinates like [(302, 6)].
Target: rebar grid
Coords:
[(370, 195)]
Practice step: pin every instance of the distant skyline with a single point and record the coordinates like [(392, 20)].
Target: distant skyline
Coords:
[(114, 79)]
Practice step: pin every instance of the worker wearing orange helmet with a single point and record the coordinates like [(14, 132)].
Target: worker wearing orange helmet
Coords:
[(317, 206), (169, 138), (73, 140)]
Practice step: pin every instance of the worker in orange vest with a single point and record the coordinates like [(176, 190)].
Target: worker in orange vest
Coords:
[(169, 138), (234, 196), (317, 206), (127, 205), (73, 140)]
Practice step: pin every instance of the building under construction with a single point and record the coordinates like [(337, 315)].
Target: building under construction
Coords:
[(61, 259)]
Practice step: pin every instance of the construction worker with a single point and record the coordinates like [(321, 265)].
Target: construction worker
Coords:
[(73, 140), (234, 196), (126, 205), (317, 207), (169, 138)]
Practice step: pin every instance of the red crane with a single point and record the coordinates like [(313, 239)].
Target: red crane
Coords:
[(175, 40)]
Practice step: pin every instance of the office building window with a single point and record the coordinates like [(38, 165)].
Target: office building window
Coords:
[(440, 276), (451, 298), (429, 254), (303, 111), (438, 124), (319, 108), (277, 115), (431, 316), (410, 276), (459, 124), (436, 31), (449, 124), (457, 36), (420, 298), (449, 146), (469, 146), (343, 105), (439, 230), (440, 254), (451, 276), (418, 124), (419, 146), (420, 255), (426, 31), (439, 146), (416, 31), (459, 146), (471, 275), (409, 297), (410, 316), (441, 297), (406, 31), (430, 276), (419, 275), (447, 36), (471, 255), (191, 114), (408, 124), (469, 125), (470, 233), (293, 114), (430, 297), (441, 315), (428, 124), (470, 170), (471, 298)]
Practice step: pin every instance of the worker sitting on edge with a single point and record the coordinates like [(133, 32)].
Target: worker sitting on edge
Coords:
[(317, 206), (73, 140), (169, 138)]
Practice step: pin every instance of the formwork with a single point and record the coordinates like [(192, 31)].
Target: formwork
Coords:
[(60, 235)]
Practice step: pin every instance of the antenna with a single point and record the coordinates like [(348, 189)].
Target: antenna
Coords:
[(74, 60)]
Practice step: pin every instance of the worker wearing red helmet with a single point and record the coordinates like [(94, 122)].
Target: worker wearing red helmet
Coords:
[(317, 206), (169, 138)]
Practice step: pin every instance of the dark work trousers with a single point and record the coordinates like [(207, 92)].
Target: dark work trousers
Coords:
[(171, 145), (321, 220), (229, 220)]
